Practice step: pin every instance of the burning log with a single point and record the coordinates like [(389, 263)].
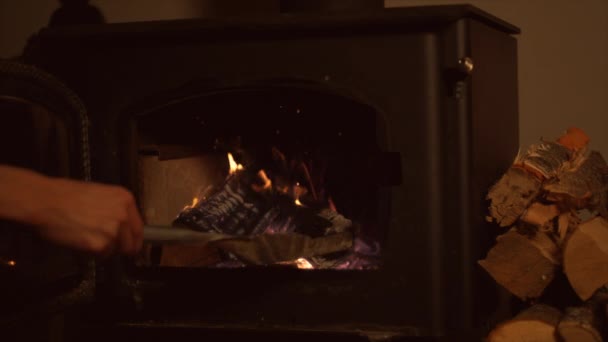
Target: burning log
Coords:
[(268, 249), (586, 257), (262, 249), (523, 265), (536, 324), (235, 209)]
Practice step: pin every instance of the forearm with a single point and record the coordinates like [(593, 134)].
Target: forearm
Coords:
[(21, 192)]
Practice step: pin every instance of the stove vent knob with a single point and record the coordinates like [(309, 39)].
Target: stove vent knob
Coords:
[(466, 65)]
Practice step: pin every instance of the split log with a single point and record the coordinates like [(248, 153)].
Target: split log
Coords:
[(585, 185), (536, 324), (540, 215), (521, 264), (512, 194), (566, 224), (546, 160), (586, 257), (339, 223), (579, 324)]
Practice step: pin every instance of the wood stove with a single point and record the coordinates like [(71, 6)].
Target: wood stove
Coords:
[(398, 108)]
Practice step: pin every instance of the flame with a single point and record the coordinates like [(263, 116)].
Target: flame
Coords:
[(332, 205), (234, 166), (267, 182), (264, 177), (194, 202), (13, 263), (298, 191), (304, 264)]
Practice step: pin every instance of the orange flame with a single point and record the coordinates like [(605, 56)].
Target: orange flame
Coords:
[(234, 166), (298, 191), (332, 205), (11, 263), (194, 202), (304, 264), (267, 182)]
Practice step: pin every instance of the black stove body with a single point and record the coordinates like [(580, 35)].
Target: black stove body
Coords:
[(419, 103)]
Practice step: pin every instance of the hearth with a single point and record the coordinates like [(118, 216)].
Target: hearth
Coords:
[(379, 126)]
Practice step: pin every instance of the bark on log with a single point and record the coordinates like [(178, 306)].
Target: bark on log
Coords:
[(583, 186), (521, 264), (579, 324), (512, 194), (546, 159), (536, 324), (586, 257)]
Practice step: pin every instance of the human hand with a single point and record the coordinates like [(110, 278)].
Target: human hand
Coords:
[(91, 217)]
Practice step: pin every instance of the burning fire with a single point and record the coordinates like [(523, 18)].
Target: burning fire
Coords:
[(300, 263), (298, 191), (304, 264), (194, 201), (264, 177), (267, 183), (234, 166), (332, 205), (13, 263), (266, 213)]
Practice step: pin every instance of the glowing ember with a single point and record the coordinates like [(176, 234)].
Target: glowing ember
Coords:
[(304, 264), (13, 263), (234, 167)]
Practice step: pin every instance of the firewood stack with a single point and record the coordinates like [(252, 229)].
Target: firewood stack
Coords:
[(553, 201)]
